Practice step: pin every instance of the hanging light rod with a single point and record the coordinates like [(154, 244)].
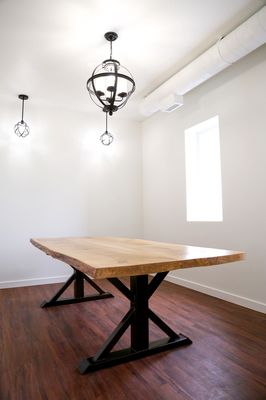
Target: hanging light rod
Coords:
[(21, 129)]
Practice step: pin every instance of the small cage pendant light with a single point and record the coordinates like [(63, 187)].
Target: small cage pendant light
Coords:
[(21, 129), (106, 138)]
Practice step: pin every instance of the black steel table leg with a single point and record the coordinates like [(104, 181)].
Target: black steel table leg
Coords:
[(137, 318), (78, 285), (78, 278), (140, 322)]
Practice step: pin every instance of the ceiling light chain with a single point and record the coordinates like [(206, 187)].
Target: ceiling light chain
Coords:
[(111, 49)]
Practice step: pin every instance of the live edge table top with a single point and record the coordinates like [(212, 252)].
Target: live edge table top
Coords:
[(108, 257)]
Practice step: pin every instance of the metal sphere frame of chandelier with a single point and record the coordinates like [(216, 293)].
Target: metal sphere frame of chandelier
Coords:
[(21, 129), (111, 84)]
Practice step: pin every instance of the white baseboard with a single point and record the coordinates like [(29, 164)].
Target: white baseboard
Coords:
[(33, 282), (220, 294)]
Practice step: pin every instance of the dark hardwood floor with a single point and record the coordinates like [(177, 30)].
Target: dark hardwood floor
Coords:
[(40, 349)]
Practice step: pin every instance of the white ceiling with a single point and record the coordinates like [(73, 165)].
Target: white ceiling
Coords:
[(49, 48)]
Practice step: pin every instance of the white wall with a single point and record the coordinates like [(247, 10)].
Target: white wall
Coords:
[(237, 95), (61, 181)]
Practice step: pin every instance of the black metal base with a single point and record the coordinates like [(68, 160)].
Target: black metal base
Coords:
[(137, 318), (126, 355), (78, 278)]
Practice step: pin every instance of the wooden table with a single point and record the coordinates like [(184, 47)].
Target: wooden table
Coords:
[(111, 258)]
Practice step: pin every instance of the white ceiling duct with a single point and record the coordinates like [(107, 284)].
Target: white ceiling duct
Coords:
[(244, 39)]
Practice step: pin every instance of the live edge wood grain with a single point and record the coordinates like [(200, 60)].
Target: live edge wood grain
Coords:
[(106, 257)]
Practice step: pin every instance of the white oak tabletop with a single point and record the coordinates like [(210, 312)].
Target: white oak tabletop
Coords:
[(106, 257)]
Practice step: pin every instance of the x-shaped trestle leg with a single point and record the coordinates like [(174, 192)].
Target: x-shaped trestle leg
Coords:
[(137, 318), (78, 278)]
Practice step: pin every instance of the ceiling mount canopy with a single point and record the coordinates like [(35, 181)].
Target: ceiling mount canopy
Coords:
[(111, 84), (111, 36), (21, 129)]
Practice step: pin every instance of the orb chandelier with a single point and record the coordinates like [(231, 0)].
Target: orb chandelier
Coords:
[(21, 129), (111, 84)]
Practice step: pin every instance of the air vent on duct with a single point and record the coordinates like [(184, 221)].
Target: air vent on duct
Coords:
[(171, 103)]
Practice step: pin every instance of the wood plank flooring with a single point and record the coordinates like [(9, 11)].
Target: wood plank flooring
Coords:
[(40, 349)]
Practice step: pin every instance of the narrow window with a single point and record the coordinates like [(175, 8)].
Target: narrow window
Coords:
[(203, 172)]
